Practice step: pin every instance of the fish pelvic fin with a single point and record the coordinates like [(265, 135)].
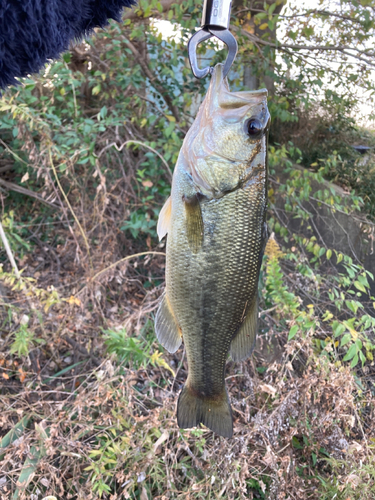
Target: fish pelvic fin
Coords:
[(164, 219), (214, 413), (194, 223), (167, 329), (243, 343)]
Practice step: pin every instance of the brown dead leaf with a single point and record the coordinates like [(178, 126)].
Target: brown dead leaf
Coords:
[(157, 446), (353, 480), (267, 388), (143, 495), (148, 242), (73, 301), (22, 375), (270, 458), (354, 446), (25, 177)]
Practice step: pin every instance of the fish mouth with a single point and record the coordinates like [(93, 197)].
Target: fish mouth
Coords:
[(226, 98)]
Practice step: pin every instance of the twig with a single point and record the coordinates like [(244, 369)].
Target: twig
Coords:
[(159, 110), (6, 167), (266, 311), (119, 148), (125, 259), (70, 208), (8, 250), (27, 192), (344, 49), (147, 71), (178, 369)]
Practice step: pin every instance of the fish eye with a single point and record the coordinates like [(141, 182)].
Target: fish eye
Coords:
[(253, 127)]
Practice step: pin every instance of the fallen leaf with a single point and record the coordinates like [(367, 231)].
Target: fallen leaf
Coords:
[(25, 177), (22, 375), (157, 445), (73, 301), (143, 495), (354, 446), (268, 389)]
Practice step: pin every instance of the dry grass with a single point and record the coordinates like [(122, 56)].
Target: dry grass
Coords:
[(104, 425)]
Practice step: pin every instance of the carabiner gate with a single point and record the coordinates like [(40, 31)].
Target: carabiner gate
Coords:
[(215, 22)]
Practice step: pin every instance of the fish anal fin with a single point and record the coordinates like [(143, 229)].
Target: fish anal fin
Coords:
[(194, 222), (214, 413), (164, 219), (243, 343), (167, 329)]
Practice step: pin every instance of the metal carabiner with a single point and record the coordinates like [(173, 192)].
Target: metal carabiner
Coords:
[(215, 22)]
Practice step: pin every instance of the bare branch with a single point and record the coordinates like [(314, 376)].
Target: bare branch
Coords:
[(119, 148), (146, 70), (344, 49), (19, 189), (302, 14)]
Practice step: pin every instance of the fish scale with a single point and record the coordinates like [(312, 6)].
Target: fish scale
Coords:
[(215, 222)]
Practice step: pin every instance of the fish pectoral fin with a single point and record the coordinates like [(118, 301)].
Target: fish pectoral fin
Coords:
[(167, 329), (214, 413), (194, 223), (243, 343), (164, 219)]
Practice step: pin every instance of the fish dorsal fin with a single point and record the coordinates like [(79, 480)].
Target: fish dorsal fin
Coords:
[(164, 219), (167, 329), (244, 341), (194, 223)]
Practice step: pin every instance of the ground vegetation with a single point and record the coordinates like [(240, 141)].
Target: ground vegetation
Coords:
[(87, 150)]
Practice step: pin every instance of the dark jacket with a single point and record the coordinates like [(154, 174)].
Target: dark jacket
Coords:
[(35, 31)]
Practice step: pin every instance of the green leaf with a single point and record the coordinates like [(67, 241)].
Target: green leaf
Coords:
[(15, 433), (338, 329), (31, 463), (354, 361), (292, 332), (296, 444), (359, 286), (61, 372), (346, 338), (272, 8), (362, 358), (352, 305), (353, 350)]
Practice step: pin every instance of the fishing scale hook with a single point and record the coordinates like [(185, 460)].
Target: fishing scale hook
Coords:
[(215, 22)]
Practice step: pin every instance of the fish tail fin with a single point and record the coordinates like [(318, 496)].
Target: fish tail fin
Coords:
[(214, 413)]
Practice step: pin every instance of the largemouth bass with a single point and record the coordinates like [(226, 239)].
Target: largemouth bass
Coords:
[(215, 220)]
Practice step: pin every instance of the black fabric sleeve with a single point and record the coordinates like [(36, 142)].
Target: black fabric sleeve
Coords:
[(35, 31)]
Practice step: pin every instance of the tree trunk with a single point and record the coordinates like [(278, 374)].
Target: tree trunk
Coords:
[(250, 79)]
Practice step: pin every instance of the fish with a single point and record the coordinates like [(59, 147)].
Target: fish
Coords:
[(215, 219)]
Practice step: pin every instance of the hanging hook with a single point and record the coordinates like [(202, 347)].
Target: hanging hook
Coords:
[(215, 22)]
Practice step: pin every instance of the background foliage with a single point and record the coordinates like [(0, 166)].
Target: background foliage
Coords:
[(86, 156)]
